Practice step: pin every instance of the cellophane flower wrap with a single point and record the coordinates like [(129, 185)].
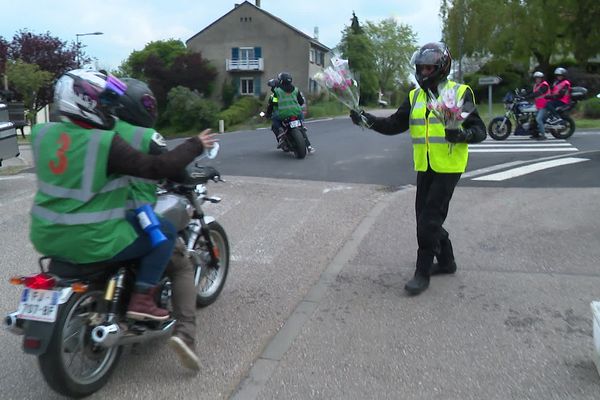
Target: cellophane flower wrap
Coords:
[(339, 81), (448, 109)]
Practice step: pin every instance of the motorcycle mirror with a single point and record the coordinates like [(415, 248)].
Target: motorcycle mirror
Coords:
[(262, 114), (598, 95)]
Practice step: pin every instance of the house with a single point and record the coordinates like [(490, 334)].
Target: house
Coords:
[(249, 46)]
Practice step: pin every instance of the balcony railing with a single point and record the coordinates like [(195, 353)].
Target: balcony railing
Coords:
[(246, 64)]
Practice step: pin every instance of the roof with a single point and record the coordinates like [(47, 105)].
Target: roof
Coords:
[(312, 40)]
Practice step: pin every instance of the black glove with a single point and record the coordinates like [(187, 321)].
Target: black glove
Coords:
[(358, 120), (458, 136)]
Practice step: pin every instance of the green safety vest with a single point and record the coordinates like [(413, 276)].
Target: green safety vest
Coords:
[(428, 136), (142, 191), (78, 212), (287, 103)]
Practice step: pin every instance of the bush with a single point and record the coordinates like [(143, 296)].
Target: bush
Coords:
[(591, 108), (187, 110), (240, 111)]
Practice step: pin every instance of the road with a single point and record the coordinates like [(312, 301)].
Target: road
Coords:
[(314, 307)]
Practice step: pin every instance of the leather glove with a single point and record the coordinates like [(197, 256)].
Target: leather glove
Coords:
[(458, 136), (357, 118)]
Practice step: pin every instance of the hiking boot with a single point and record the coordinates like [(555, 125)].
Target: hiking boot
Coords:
[(540, 137), (186, 352), (143, 307), (418, 284), (438, 269)]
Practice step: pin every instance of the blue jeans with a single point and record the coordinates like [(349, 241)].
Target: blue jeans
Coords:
[(539, 118), (153, 260)]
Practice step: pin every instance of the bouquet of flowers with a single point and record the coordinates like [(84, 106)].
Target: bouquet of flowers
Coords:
[(339, 81), (447, 109)]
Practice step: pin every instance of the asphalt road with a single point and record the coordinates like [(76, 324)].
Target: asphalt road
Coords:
[(314, 307)]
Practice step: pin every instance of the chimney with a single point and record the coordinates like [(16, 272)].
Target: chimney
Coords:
[(316, 33), (236, 5), (257, 3)]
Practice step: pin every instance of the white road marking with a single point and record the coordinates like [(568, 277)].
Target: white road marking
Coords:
[(515, 172), (523, 150)]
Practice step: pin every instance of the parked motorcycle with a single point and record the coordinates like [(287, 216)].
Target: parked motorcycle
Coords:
[(523, 113), (73, 317), (294, 136)]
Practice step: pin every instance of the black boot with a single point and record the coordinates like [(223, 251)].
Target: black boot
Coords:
[(445, 257), (439, 268), (417, 284)]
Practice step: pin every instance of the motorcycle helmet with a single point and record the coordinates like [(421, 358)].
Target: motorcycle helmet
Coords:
[(88, 96), (138, 105), (560, 71), (437, 55), (285, 79), (538, 74)]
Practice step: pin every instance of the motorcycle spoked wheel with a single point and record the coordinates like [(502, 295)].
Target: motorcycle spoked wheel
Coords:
[(73, 365), (210, 281), (499, 128), (298, 143), (567, 132)]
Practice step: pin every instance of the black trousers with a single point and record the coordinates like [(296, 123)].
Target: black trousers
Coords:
[(434, 191)]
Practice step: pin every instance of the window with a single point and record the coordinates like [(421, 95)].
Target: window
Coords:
[(247, 53), (320, 58), (312, 55), (247, 86)]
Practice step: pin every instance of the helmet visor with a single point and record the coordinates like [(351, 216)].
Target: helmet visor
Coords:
[(428, 56)]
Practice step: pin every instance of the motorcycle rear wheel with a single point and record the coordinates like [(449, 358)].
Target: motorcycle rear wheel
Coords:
[(568, 131), (73, 365), (299, 145), (210, 281), (499, 128)]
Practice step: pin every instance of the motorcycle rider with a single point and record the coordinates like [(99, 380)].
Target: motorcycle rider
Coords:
[(78, 212), (288, 101), (438, 168), (559, 95), (540, 89), (137, 114)]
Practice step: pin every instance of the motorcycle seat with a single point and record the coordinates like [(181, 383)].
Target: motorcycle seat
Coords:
[(92, 272)]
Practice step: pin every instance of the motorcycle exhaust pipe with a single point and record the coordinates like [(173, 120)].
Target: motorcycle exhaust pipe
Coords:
[(113, 335), (13, 324), (107, 335)]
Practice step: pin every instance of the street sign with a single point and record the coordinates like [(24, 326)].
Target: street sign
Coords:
[(489, 80)]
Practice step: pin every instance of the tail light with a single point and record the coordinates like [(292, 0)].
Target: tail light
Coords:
[(38, 281), (293, 118)]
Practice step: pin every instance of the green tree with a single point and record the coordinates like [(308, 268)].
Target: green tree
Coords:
[(28, 79), (166, 51), (393, 45), (357, 48), (584, 28)]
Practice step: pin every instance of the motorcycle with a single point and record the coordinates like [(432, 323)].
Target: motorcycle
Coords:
[(73, 318), (523, 112), (293, 136)]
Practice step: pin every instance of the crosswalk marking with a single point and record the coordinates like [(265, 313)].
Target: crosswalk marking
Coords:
[(527, 169), (522, 144)]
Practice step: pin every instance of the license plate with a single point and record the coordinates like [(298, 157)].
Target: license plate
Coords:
[(38, 305), (296, 123)]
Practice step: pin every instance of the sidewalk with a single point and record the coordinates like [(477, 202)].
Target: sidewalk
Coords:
[(513, 323)]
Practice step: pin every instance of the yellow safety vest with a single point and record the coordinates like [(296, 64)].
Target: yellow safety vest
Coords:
[(428, 136)]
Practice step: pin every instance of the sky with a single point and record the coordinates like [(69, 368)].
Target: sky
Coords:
[(128, 25)]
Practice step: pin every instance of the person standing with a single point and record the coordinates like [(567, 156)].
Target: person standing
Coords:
[(541, 88), (440, 156)]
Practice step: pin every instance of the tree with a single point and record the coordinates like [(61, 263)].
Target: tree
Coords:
[(50, 54), (393, 45), (3, 54), (358, 50), (164, 50), (28, 79), (583, 28)]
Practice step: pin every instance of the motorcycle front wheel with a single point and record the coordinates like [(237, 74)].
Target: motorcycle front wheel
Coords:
[(299, 145), (499, 128), (73, 364), (568, 130), (210, 280)]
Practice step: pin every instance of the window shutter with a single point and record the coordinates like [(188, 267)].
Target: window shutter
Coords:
[(257, 52), (235, 53), (236, 83), (257, 87)]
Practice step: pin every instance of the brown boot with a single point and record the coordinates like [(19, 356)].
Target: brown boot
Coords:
[(143, 307)]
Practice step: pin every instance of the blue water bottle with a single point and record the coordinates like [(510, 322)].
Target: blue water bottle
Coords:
[(150, 224)]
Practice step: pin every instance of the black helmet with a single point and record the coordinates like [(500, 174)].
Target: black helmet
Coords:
[(285, 79), (436, 54), (138, 105)]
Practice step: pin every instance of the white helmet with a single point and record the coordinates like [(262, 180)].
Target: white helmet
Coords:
[(88, 96), (560, 71), (538, 74)]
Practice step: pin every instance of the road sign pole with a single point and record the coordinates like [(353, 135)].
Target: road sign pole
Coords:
[(490, 100)]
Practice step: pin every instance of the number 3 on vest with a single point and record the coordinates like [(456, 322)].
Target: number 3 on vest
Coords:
[(65, 142)]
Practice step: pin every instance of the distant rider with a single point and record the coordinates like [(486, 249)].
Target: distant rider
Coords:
[(560, 93), (541, 88)]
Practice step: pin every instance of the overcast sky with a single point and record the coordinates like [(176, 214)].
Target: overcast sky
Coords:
[(129, 25)]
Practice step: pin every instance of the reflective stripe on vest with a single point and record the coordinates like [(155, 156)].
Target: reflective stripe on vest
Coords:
[(288, 103), (430, 147)]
